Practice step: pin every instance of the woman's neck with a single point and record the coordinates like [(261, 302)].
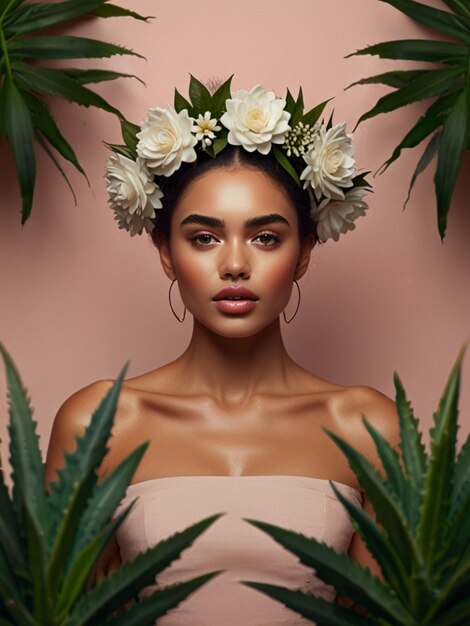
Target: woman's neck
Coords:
[(232, 370)]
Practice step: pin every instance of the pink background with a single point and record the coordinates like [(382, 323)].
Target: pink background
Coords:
[(79, 297)]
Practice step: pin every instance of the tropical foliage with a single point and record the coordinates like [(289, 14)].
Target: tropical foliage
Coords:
[(24, 81), (50, 541), (446, 123), (421, 539)]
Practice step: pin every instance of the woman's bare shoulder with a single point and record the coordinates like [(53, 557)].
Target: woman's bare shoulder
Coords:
[(352, 405), (73, 417)]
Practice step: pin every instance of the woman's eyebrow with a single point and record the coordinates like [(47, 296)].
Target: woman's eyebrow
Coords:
[(262, 220)]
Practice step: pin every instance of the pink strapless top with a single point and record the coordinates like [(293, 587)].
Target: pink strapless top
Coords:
[(300, 503)]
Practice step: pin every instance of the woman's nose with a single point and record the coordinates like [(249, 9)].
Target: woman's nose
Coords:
[(234, 261)]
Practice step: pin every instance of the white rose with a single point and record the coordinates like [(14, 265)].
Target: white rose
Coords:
[(335, 217), (133, 195), (330, 163), (165, 140), (256, 119)]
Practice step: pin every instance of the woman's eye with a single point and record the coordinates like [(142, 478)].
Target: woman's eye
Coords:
[(202, 239), (267, 238)]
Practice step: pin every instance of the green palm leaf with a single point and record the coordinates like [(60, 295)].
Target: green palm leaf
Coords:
[(37, 17), (54, 82), (21, 83), (65, 47), (111, 10), (451, 125), (446, 23), (19, 130), (84, 77), (44, 122), (399, 78), (419, 50), (428, 123), (426, 86), (452, 145), (427, 156)]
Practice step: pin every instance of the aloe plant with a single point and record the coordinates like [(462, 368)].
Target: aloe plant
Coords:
[(447, 120), (421, 541), (24, 114), (50, 540)]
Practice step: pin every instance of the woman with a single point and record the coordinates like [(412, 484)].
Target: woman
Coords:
[(234, 424)]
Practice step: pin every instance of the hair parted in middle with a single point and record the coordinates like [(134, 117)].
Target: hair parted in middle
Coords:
[(232, 158)]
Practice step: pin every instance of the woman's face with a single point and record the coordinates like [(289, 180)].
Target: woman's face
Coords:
[(234, 250)]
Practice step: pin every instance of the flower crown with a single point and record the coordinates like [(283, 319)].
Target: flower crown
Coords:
[(318, 156)]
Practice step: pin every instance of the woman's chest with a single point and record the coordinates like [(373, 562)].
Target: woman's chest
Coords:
[(264, 438)]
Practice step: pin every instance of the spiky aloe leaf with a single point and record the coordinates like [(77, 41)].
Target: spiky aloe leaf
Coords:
[(390, 463), (413, 451), (458, 615), (76, 480), (123, 584), (29, 498), (461, 489), (386, 556), (105, 499), (350, 579), (9, 527), (439, 476), (388, 509), (159, 602), (81, 567), (312, 607)]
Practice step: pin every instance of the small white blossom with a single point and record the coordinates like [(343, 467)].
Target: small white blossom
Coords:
[(330, 163), (299, 140), (205, 128), (166, 140), (336, 217), (133, 195), (256, 119)]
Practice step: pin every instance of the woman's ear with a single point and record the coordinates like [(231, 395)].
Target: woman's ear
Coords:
[(163, 248), (304, 257)]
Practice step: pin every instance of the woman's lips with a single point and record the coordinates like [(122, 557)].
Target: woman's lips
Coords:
[(235, 300), (235, 306)]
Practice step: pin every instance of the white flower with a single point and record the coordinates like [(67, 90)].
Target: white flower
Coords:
[(256, 119), (165, 140), (205, 128), (133, 195), (335, 217), (330, 163)]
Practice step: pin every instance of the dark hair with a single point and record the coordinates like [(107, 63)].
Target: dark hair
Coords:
[(231, 157)]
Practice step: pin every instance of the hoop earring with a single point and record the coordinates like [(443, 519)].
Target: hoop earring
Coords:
[(288, 321), (180, 319)]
